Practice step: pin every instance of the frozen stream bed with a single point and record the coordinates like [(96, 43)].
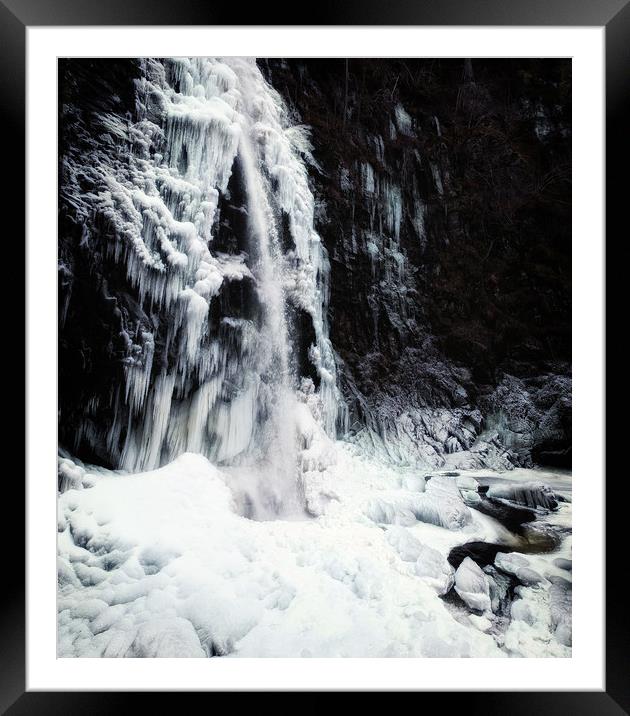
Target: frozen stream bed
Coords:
[(163, 564)]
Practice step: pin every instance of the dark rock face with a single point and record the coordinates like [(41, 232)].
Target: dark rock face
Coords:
[(97, 314), (445, 190), (444, 203)]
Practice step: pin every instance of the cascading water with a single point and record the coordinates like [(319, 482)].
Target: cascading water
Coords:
[(204, 371)]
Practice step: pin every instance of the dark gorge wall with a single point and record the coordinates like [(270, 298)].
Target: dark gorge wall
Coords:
[(445, 189), (97, 313), (443, 198)]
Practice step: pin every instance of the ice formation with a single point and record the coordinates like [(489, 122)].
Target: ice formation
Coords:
[(225, 385), (472, 585), (530, 494)]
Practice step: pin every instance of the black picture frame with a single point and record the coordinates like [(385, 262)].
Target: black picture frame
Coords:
[(17, 15)]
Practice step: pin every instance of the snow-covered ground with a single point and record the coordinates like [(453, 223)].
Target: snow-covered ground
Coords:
[(162, 563)]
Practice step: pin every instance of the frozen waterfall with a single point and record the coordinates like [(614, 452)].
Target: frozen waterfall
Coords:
[(201, 376)]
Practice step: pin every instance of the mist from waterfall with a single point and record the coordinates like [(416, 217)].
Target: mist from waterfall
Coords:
[(224, 383)]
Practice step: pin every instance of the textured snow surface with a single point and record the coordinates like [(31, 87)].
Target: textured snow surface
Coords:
[(162, 564)]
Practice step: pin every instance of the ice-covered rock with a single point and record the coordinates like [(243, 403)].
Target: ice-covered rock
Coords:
[(433, 567), (562, 563), (392, 512), (466, 482), (533, 416), (471, 497), (560, 604), (510, 562), (472, 585), (530, 494), (500, 585), (430, 564), (442, 504), (72, 475), (527, 576), (468, 488), (518, 566)]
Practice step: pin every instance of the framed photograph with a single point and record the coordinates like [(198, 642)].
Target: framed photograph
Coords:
[(314, 324)]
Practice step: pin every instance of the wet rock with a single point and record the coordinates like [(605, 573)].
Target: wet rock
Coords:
[(483, 553), (509, 515)]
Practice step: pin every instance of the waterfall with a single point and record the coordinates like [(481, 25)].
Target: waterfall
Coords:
[(211, 218)]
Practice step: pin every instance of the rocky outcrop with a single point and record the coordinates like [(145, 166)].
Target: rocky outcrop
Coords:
[(443, 200), (444, 190)]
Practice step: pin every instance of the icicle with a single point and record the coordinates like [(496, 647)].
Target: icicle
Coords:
[(227, 392)]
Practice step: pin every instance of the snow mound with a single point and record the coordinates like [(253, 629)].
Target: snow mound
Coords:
[(430, 564)]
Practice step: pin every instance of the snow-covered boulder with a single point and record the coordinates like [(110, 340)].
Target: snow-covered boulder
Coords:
[(472, 585), (518, 566), (466, 482), (510, 562), (434, 569), (430, 564), (442, 504)]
